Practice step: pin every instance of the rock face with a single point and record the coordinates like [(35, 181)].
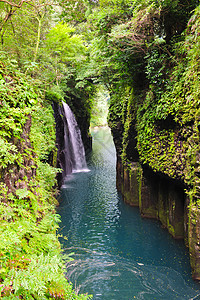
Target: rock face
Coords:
[(194, 241), (79, 106), (18, 177), (155, 124), (164, 198), (60, 143), (63, 161), (157, 197)]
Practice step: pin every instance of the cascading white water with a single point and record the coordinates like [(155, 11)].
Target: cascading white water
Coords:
[(74, 141)]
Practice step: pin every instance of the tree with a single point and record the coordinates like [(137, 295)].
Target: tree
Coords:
[(65, 51), (23, 27), (76, 11)]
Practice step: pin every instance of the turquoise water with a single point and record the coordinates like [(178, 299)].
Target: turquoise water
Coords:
[(117, 254)]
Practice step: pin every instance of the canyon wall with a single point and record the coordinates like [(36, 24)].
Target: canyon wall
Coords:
[(155, 122)]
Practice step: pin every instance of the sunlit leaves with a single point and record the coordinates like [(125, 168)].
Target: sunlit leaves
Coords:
[(64, 44)]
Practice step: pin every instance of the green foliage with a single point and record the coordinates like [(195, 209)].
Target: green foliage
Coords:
[(47, 176), (8, 153), (55, 94), (156, 54), (31, 262), (43, 131), (100, 107), (64, 45), (167, 120), (116, 111), (146, 57), (74, 11), (17, 98)]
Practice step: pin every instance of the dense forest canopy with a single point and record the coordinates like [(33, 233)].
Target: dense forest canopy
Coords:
[(142, 55), (92, 41)]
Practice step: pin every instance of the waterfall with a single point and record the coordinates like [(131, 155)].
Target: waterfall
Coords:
[(74, 149)]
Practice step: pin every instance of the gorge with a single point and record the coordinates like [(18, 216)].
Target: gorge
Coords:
[(142, 58), (117, 254)]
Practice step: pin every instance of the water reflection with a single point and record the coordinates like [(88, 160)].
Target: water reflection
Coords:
[(113, 277), (117, 254)]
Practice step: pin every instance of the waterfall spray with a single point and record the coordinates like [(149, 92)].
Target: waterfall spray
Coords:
[(73, 142)]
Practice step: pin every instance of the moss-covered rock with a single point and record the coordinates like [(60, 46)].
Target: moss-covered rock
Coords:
[(159, 127), (194, 240), (31, 261)]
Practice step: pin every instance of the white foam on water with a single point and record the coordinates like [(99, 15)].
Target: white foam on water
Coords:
[(93, 268)]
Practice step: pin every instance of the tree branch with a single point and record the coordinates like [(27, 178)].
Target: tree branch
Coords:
[(7, 17), (19, 5)]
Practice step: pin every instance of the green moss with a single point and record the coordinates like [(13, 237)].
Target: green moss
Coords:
[(149, 212), (31, 262), (177, 230), (160, 110), (167, 122), (162, 209)]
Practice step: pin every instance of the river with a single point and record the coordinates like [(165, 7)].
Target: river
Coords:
[(117, 254)]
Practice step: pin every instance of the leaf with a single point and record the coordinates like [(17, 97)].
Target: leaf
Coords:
[(22, 193)]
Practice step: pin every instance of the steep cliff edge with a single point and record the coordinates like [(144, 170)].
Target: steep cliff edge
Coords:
[(156, 129)]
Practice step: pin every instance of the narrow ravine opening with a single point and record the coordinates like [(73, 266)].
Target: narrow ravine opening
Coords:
[(100, 114)]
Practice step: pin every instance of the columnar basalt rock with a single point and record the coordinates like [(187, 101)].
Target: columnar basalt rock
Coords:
[(163, 202), (194, 240), (155, 121), (167, 200), (129, 182), (135, 183), (156, 197), (148, 203), (175, 220)]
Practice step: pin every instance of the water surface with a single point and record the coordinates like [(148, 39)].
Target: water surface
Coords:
[(117, 254)]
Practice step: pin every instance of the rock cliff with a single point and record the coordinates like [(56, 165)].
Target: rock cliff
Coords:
[(156, 133)]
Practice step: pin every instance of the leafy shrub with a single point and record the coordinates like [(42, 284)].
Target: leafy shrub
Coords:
[(32, 265)]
